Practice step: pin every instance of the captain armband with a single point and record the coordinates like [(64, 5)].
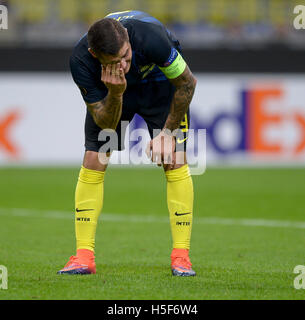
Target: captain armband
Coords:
[(176, 67)]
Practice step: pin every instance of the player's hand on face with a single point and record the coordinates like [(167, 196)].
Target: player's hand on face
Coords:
[(161, 149), (114, 78)]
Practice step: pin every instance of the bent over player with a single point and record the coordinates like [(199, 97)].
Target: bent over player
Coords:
[(130, 63)]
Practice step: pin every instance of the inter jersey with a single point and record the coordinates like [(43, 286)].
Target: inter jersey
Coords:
[(155, 56)]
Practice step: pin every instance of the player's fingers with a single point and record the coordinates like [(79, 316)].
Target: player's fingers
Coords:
[(163, 160), (103, 73), (118, 73), (117, 70), (173, 160), (156, 157), (153, 156), (147, 150), (159, 159), (121, 70), (108, 70), (168, 159), (121, 74), (113, 70)]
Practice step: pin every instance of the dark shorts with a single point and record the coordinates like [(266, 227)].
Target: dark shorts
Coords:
[(150, 100)]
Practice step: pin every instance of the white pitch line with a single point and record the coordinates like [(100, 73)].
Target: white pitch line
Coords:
[(55, 214)]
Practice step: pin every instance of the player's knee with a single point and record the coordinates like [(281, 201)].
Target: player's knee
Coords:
[(180, 161), (94, 161)]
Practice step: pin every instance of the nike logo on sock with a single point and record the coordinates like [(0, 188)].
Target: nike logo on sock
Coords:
[(80, 210), (181, 140), (181, 214)]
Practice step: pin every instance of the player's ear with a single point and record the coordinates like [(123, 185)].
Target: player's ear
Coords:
[(92, 52)]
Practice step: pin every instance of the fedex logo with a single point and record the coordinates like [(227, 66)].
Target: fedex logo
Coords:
[(7, 123), (264, 124)]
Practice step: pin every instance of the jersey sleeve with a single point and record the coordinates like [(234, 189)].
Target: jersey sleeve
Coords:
[(91, 89), (162, 52)]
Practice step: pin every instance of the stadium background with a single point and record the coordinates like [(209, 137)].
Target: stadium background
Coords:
[(249, 62), (247, 56)]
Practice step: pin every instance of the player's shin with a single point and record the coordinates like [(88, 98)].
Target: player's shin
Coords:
[(88, 205), (180, 205)]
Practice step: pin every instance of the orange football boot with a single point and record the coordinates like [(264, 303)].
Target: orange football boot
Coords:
[(82, 263), (181, 264)]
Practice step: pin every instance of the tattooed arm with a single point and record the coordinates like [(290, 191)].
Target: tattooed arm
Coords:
[(185, 86), (162, 147), (107, 112)]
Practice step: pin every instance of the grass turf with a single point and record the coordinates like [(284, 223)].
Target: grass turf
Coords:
[(132, 256)]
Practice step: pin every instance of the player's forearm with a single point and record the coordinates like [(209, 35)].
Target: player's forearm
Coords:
[(180, 104), (107, 112)]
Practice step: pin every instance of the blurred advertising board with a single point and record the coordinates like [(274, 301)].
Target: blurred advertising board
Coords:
[(250, 119)]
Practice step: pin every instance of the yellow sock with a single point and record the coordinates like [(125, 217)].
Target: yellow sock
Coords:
[(88, 205), (180, 197)]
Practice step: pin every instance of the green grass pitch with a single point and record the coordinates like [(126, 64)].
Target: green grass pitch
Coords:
[(247, 235)]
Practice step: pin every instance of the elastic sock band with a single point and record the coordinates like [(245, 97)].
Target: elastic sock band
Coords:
[(178, 174), (91, 176)]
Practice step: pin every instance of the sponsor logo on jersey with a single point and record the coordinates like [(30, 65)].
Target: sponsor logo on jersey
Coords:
[(147, 69)]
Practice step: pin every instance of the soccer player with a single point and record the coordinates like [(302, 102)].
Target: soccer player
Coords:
[(130, 63)]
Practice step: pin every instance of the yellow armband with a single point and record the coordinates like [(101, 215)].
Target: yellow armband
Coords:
[(175, 69)]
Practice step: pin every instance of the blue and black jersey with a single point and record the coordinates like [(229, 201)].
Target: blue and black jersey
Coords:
[(153, 47)]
